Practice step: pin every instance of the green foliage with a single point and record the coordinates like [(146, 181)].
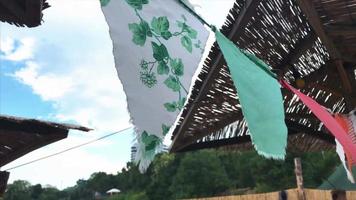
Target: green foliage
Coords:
[(137, 4), (18, 190), (199, 174), (189, 175), (130, 196)]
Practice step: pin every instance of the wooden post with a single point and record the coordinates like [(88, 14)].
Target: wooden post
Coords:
[(4, 177), (299, 176)]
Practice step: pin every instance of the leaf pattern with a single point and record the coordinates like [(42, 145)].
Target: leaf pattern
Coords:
[(173, 68), (137, 4)]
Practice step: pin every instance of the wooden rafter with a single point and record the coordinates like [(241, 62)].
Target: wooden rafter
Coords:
[(299, 49), (314, 20), (340, 30), (294, 129), (246, 13)]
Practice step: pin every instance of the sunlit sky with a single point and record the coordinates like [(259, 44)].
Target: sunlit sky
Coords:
[(64, 71)]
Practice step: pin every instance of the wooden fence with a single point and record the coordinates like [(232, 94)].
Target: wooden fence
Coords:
[(292, 194)]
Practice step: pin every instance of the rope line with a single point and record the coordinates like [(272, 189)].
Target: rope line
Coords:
[(69, 149)]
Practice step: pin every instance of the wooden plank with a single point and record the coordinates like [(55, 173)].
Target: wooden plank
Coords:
[(248, 11), (299, 177)]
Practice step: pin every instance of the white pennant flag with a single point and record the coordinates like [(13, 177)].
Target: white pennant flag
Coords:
[(157, 45)]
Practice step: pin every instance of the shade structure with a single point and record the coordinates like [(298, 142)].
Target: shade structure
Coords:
[(22, 12), (311, 44), (19, 136)]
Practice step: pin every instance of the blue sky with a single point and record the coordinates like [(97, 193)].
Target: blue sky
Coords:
[(64, 71)]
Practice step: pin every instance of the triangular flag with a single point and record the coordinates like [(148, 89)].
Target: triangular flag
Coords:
[(157, 46), (340, 152), (260, 97), (329, 122), (346, 122)]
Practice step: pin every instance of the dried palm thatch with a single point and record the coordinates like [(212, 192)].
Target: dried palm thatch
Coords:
[(304, 41), (22, 12), (19, 136)]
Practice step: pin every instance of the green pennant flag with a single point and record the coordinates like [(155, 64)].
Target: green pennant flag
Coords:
[(260, 98)]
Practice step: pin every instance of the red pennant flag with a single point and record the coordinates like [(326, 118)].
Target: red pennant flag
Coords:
[(329, 122)]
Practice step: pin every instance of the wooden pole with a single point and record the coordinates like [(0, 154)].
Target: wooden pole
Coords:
[(299, 176)]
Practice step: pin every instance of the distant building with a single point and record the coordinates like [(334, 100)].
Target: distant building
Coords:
[(133, 152)]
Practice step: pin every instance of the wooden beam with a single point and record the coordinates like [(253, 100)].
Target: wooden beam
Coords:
[(344, 78), (217, 143), (186, 140), (343, 30), (4, 177), (237, 29), (299, 49), (299, 177), (314, 20), (293, 129), (296, 127)]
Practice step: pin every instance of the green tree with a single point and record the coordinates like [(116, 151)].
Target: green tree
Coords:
[(101, 182), (49, 193), (163, 169), (18, 190), (199, 174)]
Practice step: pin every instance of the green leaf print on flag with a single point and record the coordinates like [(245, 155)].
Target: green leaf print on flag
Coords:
[(140, 32), (187, 43), (160, 26), (153, 42), (137, 4), (159, 51), (104, 2), (177, 67), (173, 83)]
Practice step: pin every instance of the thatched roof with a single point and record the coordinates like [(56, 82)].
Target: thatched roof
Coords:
[(19, 136), (310, 39), (22, 12)]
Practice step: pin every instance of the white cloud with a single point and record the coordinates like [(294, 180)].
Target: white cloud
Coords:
[(23, 51), (74, 70), (7, 45), (65, 169), (72, 67), (49, 86)]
